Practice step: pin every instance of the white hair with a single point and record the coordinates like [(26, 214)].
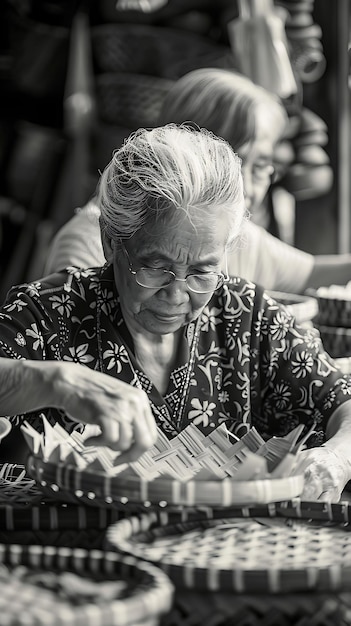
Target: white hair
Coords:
[(166, 169)]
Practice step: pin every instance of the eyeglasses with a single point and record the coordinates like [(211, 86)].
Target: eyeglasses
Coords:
[(156, 278), (260, 173)]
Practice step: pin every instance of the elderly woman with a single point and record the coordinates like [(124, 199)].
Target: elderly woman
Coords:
[(160, 335), (253, 121)]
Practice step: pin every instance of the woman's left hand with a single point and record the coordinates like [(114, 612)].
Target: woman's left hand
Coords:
[(326, 472)]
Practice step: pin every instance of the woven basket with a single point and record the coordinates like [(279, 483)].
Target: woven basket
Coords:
[(333, 311), (304, 308), (55, 523), (142, 49), (336, 340), (128, 491), (287, 563), (16, 487), (54, 586), (334, 307), (26, 518)]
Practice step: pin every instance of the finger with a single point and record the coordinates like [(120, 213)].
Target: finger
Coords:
[(330, 495), (125, 436), (143, 440), (110, 434)]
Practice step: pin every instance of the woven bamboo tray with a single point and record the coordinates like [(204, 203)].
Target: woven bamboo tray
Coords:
[(48, 586), (281, 564), (273, 549), (96, 488)]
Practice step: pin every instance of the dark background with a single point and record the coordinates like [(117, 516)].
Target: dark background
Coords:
[(50, 156)]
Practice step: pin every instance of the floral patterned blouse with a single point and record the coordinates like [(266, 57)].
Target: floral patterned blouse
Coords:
[(243, 362)]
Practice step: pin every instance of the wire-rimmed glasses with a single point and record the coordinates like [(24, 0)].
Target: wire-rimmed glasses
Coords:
[(156, 278)]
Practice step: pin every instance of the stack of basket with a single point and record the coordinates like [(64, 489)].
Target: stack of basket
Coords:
[(334, 319), (303, 307)]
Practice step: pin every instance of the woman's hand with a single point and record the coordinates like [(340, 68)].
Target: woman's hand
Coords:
[(326, 472), (121, 411)]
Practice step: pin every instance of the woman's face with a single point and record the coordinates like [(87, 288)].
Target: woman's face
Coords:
[(173, 244), (257, 157)]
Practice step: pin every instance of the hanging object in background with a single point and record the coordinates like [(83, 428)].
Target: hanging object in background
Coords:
[(145, 6), (304, 37), (260, 47), (310, 175)]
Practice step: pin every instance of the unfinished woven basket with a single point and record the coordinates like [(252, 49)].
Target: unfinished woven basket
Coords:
[(189, 470), (286, 563), (45, 586)]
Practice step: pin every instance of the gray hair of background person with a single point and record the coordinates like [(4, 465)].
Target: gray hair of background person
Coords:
[(173, 167), (223, 101)]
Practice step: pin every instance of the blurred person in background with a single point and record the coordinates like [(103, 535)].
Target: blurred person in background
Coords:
[(254, 122)]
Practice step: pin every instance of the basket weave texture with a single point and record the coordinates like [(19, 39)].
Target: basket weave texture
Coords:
[(334, 312), (260, 549), (123, 591), (16, 487)]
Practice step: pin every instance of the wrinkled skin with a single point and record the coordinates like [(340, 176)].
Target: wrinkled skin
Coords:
[(326, 473)]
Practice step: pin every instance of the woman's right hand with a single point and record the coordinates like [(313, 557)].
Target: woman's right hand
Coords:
[(122, 412)]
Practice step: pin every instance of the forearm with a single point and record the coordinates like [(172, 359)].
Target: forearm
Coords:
[(26, 385), (330, 269)]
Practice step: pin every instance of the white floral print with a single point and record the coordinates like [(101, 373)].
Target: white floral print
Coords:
[(244, 362), (116, 355), (202, 412)]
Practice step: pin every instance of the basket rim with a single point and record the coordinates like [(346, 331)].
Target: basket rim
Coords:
[(153, 598), (123, 489), (51, 515), (333, 330)]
